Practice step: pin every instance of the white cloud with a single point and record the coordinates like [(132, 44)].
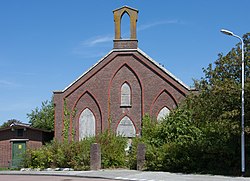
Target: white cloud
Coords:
[(5, 83), (85, 47), (89, 48), (97, 40), (158, 23)]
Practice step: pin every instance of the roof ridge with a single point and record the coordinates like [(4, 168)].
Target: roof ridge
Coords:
[(163, 68)]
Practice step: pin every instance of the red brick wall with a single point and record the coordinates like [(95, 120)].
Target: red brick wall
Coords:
[(99, 90), (5, 153), (33, 144)]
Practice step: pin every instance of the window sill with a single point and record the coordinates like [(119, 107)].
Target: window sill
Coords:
[(125, 106)]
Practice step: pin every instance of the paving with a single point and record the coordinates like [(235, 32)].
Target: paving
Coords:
[(132, 175)]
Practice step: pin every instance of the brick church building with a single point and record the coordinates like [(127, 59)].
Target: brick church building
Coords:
[(118, 90)]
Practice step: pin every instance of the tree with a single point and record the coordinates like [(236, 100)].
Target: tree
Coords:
[(203, 133), (219, 94), (9, 122), (43, 118)]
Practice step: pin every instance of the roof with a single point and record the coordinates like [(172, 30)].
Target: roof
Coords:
[(19, 124), (126, 7), (128, 50), (22, 125)]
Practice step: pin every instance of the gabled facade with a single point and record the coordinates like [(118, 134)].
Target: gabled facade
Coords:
[(117, 91)]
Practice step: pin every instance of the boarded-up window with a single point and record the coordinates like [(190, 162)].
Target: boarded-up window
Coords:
[(125, 95), (86, 124), (163, 113), (126, 128)]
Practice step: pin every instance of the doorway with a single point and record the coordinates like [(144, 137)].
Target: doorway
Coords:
[(18, 150)]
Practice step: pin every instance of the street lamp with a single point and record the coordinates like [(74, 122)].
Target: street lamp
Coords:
[(242, 99)]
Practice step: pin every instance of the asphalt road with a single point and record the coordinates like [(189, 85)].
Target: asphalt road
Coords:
[(46, 178), (102, 175)]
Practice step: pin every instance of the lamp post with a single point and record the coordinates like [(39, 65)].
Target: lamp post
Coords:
[(242, 99)]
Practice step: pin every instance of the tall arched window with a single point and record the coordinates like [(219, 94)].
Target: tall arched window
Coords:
[(126, 128), (86, 124), (125, 95), (163, 113)]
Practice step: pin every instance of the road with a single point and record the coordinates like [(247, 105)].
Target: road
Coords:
[(102, 175), (46, 178)]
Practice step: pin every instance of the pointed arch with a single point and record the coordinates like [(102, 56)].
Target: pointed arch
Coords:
[(85, 95), (87, 124), (125, 95), (125, 65), (163, 113), (162, 93), (163, 103), (125, 25), (132, 13), (86, 100), (126, 128)]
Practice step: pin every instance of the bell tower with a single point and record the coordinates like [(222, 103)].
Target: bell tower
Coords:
[(132, 42)]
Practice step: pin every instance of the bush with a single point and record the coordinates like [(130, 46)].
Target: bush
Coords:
[(178, 144), (60, 154), (76, 155), (113, 150)]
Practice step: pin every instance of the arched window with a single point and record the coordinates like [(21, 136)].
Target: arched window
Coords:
[(126, 128), (86, 124), (125, 95), (125, 26), (163, 113)]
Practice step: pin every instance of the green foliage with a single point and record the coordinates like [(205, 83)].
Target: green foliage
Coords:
[(77, 154), (113, 150), (43, 118), (74, 155), (179, 144), (203, 134), (66, 122), (220, 89)]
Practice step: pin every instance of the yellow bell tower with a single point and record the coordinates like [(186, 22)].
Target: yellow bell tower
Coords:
[(120, 43)]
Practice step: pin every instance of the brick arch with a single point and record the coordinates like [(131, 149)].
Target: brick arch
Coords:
[(163, 99), (86, 108), (125, 74), (87, 100), (132, 13), (125, 25), (111, 80), (136, 128)]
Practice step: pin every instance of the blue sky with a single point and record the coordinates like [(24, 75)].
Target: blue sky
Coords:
[(46, 44)]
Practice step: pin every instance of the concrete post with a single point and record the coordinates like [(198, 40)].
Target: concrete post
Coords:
[(95, 156), (141, 152)]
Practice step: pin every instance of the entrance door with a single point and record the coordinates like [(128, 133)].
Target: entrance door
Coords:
[(18, 149)]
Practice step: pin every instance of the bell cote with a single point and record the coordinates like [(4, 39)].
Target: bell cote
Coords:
[(132, 42)]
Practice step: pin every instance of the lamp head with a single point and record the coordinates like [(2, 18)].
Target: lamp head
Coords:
[(227, 32)]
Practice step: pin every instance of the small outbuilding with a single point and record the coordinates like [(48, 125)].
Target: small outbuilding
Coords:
[(15, 139)]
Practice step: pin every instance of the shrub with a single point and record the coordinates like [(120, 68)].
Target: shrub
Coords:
[(178, 144), (60, 154), (77, 154), (113, 150)]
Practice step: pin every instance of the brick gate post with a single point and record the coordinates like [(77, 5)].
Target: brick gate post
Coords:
[(95, 156), (141, 152)]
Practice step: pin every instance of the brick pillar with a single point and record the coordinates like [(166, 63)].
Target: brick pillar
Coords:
[(95, 157), (141, 152)]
